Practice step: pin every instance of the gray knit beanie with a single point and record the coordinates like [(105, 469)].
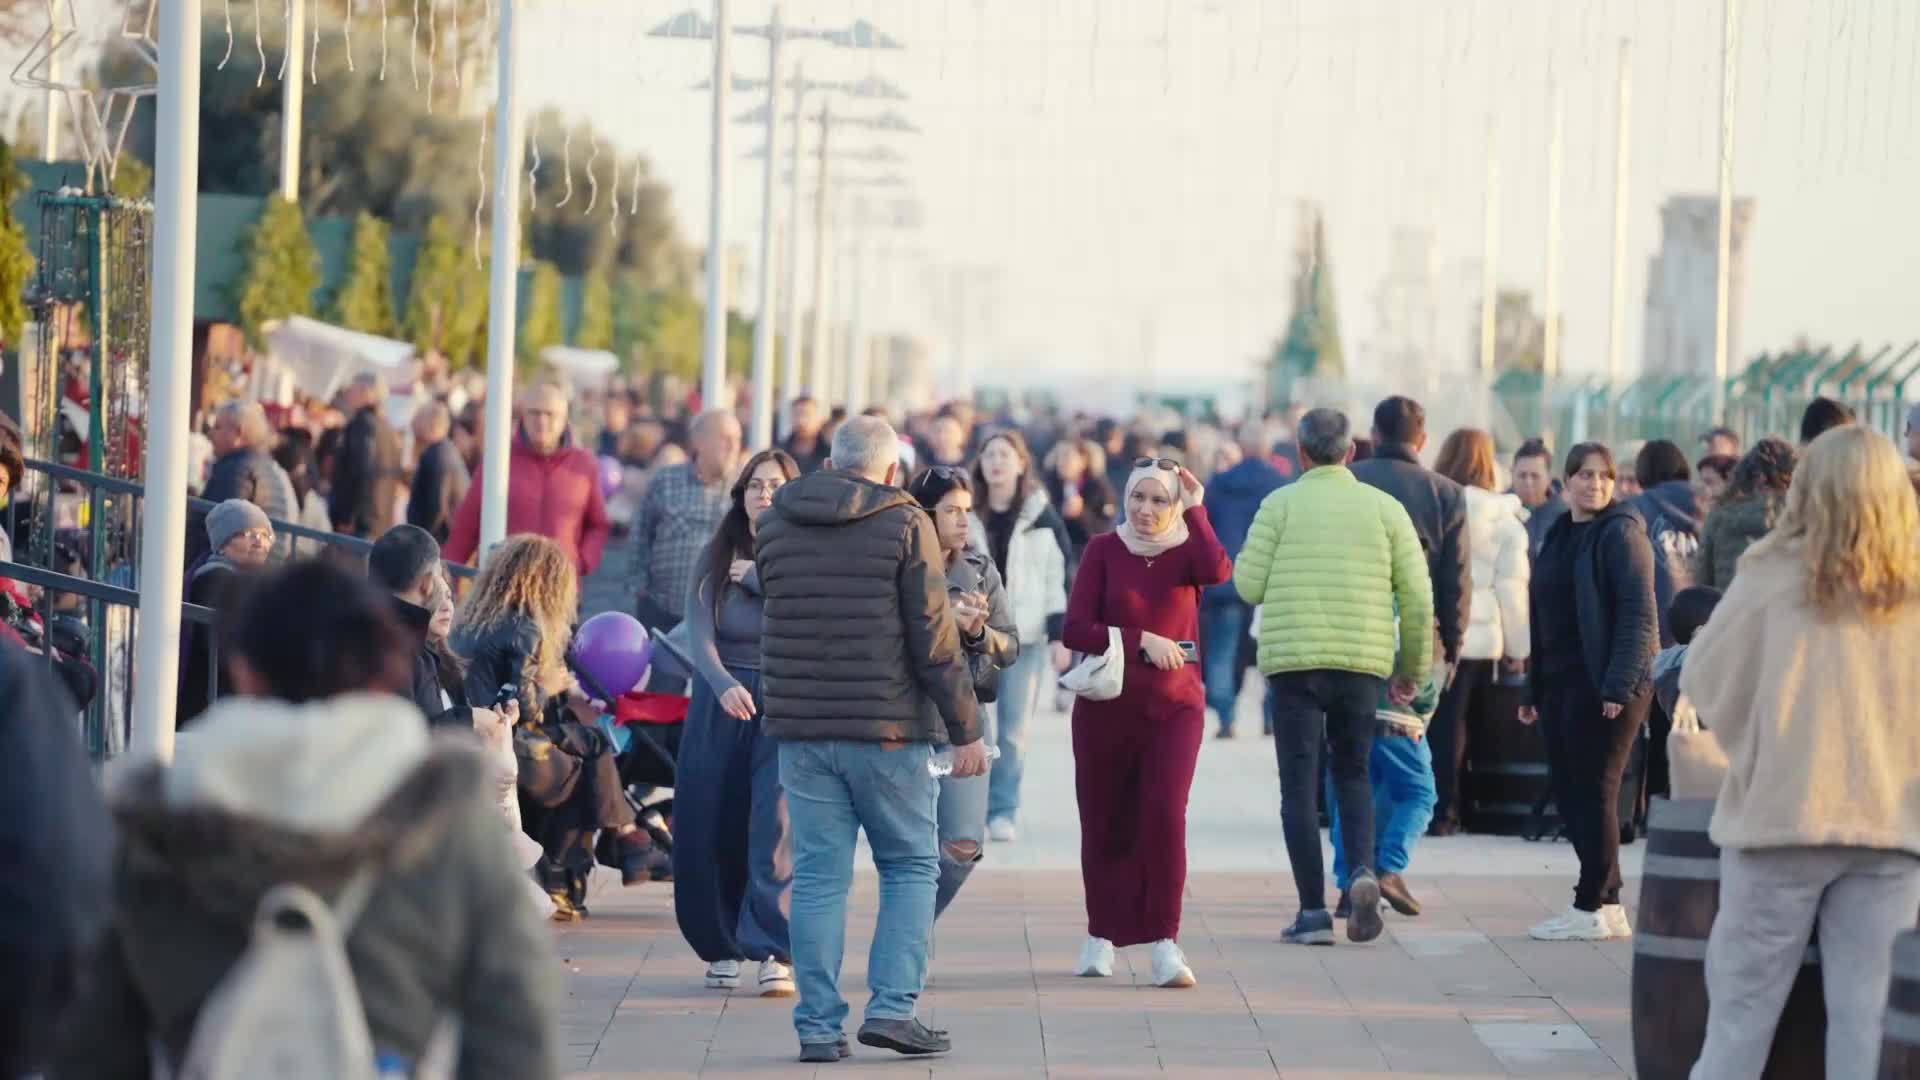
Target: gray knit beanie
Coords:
[(233, 517)]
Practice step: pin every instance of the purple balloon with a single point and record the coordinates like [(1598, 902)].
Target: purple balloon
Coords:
[(612, 475), (612, 650)]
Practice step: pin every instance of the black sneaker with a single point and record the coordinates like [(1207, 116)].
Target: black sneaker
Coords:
[(1394, 890), (909, 1037), (1224, 733), (1365, 924), (822, 1053), (1310, 928)]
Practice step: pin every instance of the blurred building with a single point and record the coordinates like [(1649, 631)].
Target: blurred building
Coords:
[(1407, 303), (1681, 287)]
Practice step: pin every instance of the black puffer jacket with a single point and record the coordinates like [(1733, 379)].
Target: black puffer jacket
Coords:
[(1613, 601), (857, 632)]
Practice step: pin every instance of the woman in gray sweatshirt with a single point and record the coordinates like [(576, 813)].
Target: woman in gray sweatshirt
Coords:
[(731, 864)]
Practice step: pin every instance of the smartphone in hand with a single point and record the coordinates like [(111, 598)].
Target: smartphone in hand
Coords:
[(1189, 650)]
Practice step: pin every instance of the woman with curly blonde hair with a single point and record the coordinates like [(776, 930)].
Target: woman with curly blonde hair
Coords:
[(513, 633), (1805, 674), (515, 626)]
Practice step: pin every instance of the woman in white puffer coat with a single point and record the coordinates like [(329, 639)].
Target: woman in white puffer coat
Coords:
[(1497, 633)]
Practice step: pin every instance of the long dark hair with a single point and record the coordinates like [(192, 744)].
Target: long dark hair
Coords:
[(345, 639), (1027, 483), (734, 538)]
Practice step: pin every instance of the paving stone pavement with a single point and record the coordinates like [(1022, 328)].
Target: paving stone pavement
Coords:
[(1458, 992)]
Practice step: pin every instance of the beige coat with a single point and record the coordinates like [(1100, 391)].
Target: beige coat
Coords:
[(1817, 718)]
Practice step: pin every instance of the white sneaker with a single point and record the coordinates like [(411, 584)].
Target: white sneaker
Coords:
[(1001, 831), (1096, 959), (1614, 916), (723, 974), (1574, 925), (1170, 968), (776, 979)]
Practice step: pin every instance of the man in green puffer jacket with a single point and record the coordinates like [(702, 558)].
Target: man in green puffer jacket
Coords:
[(1330, 560)]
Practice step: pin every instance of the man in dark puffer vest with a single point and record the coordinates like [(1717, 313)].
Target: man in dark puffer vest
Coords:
[(856, 637)]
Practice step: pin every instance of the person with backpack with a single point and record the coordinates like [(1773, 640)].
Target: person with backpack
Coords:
[(1671, 507), (315, 886)]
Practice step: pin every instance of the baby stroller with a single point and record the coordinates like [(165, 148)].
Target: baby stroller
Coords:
[(645, 729)]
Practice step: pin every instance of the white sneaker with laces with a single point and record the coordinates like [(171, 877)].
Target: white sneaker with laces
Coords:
[(776, 979), (1575, 925), (723, 974), (1001, 831), (1096, 959), (1170, 968), (1614, 916)]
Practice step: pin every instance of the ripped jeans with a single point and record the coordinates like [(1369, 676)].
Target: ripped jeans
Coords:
[(962, 815)]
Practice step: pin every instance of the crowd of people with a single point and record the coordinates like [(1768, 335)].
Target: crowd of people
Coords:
[(871, 618)]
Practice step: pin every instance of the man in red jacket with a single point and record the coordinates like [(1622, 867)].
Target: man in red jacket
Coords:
[(553, 487)]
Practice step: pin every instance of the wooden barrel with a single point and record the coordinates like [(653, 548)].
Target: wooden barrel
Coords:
[(1900, 1044), (1506, 767), (1679, 897)]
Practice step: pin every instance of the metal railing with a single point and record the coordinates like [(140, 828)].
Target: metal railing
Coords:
[(80, 520)]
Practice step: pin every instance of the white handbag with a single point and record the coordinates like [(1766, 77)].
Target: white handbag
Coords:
[(1099, 678), (1696, 762)]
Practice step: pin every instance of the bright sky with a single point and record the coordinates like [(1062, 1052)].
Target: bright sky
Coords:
[(1132, 167)]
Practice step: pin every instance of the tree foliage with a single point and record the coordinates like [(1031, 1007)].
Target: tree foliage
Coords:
[(16, 261), (447, 298), (365, 299), (132, 179), (1311, 346), (372, 145), (282, 269), (595, 330), (542, 318)]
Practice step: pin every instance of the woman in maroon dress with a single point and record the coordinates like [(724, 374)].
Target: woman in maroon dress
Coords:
[(1133, 756)]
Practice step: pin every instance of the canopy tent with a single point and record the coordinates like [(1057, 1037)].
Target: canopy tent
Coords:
[(320, 358), (587, 368)]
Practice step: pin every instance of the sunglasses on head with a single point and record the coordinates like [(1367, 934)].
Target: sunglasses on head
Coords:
[(1166, 463), (948, 472)]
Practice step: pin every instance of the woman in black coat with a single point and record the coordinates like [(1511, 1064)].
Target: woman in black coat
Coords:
[(1590, 684)]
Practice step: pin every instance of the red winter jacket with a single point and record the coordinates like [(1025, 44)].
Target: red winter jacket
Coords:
[(556, 495)]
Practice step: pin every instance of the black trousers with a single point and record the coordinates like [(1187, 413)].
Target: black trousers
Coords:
[(1315, 711), (1470, 694), (1588, 754)]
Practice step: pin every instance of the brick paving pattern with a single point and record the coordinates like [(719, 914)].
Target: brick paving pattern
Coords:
[(1458, 992)]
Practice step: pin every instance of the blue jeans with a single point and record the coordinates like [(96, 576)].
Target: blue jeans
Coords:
[(731, 861), (963, 834), (1401, 770), (1222, 624), (1019, 688), (835, 788)]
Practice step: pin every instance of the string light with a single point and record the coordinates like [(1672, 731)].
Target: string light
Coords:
[(639, 168), (613, 201), (383, 40), (566, 161), (533, 170), (593, 183), (346, 35), (287, 44), (433, 49), (260, 46), (479, 204), (413, 44), (313, 58), (228, 55)]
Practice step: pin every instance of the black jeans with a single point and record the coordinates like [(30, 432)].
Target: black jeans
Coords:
[(1471, 692), (1588, 754), (1314, 710)]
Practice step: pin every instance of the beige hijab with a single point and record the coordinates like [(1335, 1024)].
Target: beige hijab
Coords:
[(1175, 534)]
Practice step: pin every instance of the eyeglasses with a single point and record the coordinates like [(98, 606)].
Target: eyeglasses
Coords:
[(1165, 463), (766, 487), (262, 537)]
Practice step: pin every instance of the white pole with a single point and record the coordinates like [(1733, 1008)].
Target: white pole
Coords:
[(1489, 278), (821, 311), (503, 290), (1622, 180), (761, 434), (163, 530), (713, 360), (790, 362), (1724, 265), (1550, 346), (859, 379), (292, 93), (50, 143)]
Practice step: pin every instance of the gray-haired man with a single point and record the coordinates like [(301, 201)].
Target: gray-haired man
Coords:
[(857, 642)]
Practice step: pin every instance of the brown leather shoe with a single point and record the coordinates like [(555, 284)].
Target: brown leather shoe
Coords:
[(1393, 889)]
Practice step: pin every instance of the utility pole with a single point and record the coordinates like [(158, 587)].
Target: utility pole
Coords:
[(1489, 278), (503, 285), (293, 92), (760, 430), (50, 142), (859, 379), (1729, 44), (1622, 180), (790, 381), (1550, 346), (821, 243), (713, 358)]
